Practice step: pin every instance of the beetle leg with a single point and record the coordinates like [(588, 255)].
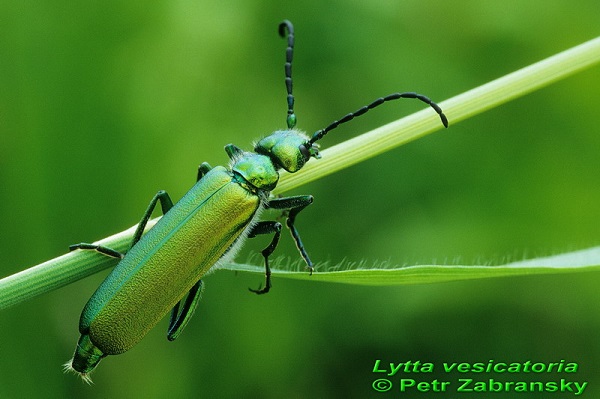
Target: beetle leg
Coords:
[(203, 169), (99, 248), (178, 319), (266, 228), (165, 204), (294, 205)]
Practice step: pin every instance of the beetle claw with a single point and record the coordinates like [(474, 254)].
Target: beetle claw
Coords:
[(260, 290)]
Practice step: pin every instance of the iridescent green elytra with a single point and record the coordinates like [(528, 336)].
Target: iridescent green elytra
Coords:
[(162, 270)]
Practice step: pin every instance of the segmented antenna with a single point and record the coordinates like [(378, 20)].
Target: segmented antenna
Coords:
[(289, 54), (395, 96)]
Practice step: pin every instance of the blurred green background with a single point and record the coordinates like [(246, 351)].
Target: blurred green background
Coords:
[(104, 103)]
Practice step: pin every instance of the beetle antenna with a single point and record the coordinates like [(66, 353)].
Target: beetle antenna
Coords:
[(289, 54), (395, 96)]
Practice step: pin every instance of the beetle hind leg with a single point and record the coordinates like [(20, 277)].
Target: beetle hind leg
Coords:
[(203, 169), (180, 319), (166, 204), (98, 248)]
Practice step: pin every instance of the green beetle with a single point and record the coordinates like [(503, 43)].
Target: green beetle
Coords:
[(162, 270)]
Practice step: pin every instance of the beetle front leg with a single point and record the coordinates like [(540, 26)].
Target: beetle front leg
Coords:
[(266, 228), (294, 205)]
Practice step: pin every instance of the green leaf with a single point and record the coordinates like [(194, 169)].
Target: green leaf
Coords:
[(586, 260)]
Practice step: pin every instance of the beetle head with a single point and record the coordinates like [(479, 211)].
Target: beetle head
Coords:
[(288, 149)]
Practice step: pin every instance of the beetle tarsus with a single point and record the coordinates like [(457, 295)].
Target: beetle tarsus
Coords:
[(261, 290), (98, 248)]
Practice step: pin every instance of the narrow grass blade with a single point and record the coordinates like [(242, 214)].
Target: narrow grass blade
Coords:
[(587, 260)]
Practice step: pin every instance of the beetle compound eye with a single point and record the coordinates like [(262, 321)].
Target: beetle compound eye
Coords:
[(310, 150), (304, 151)]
